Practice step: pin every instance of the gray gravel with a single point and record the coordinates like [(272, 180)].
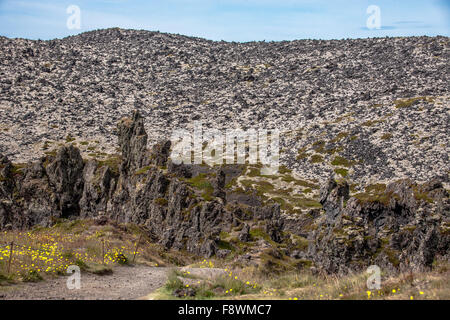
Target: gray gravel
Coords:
[(125, 283)]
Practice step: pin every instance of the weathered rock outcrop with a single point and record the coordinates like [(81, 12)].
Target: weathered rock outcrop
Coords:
[(139, 190), (402, 227), (65, 176), (132, 142)]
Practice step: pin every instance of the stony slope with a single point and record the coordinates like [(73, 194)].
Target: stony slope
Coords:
[(381, 105), (206, 211)]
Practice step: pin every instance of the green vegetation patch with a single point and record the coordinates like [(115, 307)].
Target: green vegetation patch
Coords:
[(376, 193), (342, 162), (201, 182), (302, 154), (342, 172), (340, 136), (371, 123), (316, 158), (111, 161), (143, 170), (406, 103)]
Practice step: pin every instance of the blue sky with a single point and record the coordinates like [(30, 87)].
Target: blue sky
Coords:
[(230, 20)]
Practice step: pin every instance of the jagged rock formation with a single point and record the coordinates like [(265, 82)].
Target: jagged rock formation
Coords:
[(136, 188), (402, 226)]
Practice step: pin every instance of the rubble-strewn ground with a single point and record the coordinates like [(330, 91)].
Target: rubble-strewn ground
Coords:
[(372, 110)]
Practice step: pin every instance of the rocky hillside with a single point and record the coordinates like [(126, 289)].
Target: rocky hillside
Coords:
[(369, 110), (232, 211), (364, 150)]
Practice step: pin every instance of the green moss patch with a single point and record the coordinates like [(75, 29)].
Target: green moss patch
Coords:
[(342, 172), (342, 162)]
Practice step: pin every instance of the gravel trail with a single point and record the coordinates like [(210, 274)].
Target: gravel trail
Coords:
[(125, 283)]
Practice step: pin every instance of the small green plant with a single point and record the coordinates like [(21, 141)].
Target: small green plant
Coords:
[(69, 138), (122, 259), (412, 101), (82, 265), (31, 276), (143, 170), (173, 282)]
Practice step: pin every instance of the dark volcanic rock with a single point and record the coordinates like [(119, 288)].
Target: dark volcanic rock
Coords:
[(132, 142), (401, 228), (244, 234), (65, 175)]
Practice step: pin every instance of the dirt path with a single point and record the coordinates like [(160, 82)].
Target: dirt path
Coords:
[(125, 283)]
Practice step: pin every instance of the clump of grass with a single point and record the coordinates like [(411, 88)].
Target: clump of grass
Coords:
[(112, 161), (31, 276), (342, 172), (370, 123), (173, 281), (386, 136), (69, 138), (302, 154), (82, 265), (340, 136), (6, 279), (99, 269), (375, 193), (233, 286), (319, 146), (202, 183)]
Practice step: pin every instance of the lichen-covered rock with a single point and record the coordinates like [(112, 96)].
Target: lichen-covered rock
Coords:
[(6, 178), (179, 170), (218, 184), (98, 183), (332, 198), (244, 234), (65, 176), (160, 153), (132, 142)]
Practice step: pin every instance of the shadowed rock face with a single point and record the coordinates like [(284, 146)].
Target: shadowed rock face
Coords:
[(65, 176), (137, 190), (402, 227), (396, 230), (132, 142)]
